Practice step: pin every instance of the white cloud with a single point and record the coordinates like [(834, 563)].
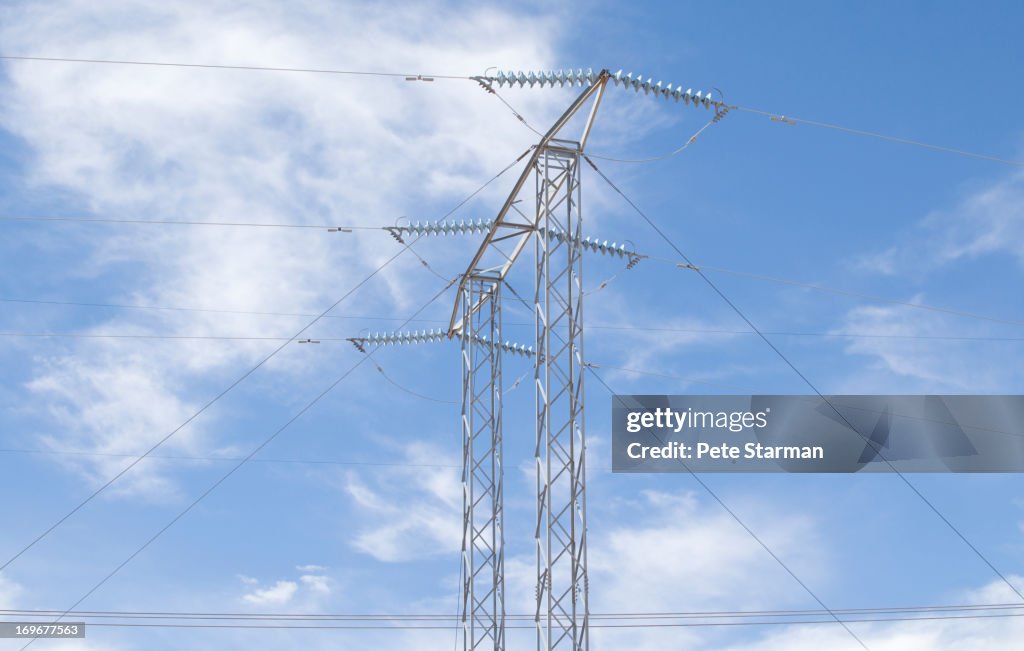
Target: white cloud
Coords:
[(906, 360), (113, 403), (168, 143), (310, 568), (279, 594), (410, 512), (316, 583), (988, 221), (691, 555), (307, 592)]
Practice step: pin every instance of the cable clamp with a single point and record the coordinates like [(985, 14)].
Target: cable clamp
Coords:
[(688, 265)]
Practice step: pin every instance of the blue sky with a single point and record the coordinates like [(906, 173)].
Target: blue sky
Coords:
[(795, 202)]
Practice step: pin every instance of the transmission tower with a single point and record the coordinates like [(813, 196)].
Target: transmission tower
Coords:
[(555, 224), (561, 614)]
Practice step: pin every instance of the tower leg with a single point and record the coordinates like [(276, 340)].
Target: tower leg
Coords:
[(483, 589), (561, 533)]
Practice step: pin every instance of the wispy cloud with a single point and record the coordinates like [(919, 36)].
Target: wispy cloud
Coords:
[(166, 143), (904, 359), (279, 594), (306, 591), (310, 568), (988, 221), (408, 512)]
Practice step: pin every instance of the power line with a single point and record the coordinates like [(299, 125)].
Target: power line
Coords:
[(810, 385), (614, 615), (169, 64), (872, 297), (456, 626), (87, 335), (129, 306), (179, 222), (715, 269), (239, 380), (778, 117), (330, 462), (681, 378), (624, 328), (790, 333), (788, 119), (309, 405)]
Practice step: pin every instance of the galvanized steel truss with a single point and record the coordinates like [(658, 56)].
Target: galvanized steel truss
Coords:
[(561, 536), (560, 452), (483, 554)]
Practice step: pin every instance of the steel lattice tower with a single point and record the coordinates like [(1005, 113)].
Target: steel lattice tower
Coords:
[(561, 608), (560, 535), (561, 531), (483, 598)]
